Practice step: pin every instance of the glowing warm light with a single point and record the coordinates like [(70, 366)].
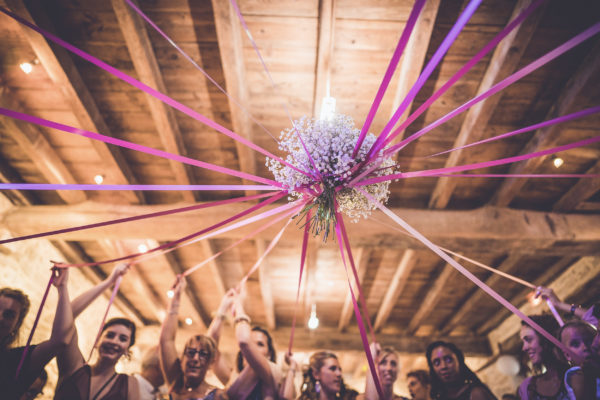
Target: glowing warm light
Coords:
[(534, 301), (188, 321), (142, 248), (558, 162), (26, 67), (162, 314), (327, 108), (170, 294), (98, 179), (313, 321)]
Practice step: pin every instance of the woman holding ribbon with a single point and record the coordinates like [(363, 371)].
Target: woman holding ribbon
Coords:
[(99, 380), (388, 366), (450, 377), (323, 379), (186, 375)]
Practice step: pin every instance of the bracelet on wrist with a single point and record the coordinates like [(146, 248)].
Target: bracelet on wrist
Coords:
[(241, 318)]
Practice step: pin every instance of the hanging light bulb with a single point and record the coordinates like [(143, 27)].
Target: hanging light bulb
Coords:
[(313, 321), (558, 162), (188, 321), (27, 67), (142, 248), (98, 179), (327, 108), (170, 294)]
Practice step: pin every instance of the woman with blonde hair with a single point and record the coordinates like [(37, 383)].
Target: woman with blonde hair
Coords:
[(323, 379), (388, 366)]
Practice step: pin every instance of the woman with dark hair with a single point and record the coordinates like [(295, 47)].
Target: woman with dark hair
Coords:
[(450, 376), (185, 376), (259, 377), (14, 305), (98, 380), (323, 379), (418, 384), (388, 366), (547, 383)]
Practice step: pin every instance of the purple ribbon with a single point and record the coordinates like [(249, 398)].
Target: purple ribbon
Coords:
[(302, 262), (408, 28), (147, 89), (46, 186), (133, 146)]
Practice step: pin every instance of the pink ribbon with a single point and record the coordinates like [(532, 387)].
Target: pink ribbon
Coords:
[(138, 217), (133, 146), (35, 323), (564, 118), (110, 302), (195, 64), (516, 176), (464, 271), (569, 44), (408, 28), (439, 171), (46, 186), (147, 89)]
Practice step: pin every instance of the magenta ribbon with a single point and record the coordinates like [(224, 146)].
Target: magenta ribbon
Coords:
[(427, 71), (550, 122), (183, 239), (464, 69), (147, 89), (408, 28), (508, 160), (138, 217), (569, 44), (133, 146), (110, 302), (35, 323), (46, 186), (302, 263), (357, 314), (517, 175), (464, 271), (195, 64)]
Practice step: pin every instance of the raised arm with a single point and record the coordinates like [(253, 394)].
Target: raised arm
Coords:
[(168, 352), (370, 388), (62, 328), (288, 389), (548, 294), (221, 367), (83, 300), (252, 354)]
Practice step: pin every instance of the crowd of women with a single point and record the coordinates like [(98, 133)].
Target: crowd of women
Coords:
[(568, 372)]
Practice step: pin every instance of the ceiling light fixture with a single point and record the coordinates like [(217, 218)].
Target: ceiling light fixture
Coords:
[(142, 248), (170, 294), (313, 321), (98, 179), (27, 66), (558, 162), (327, 108), (188, 321)]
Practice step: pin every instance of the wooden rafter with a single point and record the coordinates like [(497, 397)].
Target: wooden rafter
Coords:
[(63, 72), (403, 269), (568, 283), (504, 61), (324, 53), (361, 258), (433, 296), (580, 192), (265, 285), (414, 57), (217, 273), (146, 66), (232, 60), (586, 74), (471, 302)]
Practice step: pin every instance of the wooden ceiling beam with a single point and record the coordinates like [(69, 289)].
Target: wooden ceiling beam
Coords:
[(324, 54), (504, 61), (201, 314), (548, 276), (333, 340), (464, 230), (264, 279), (34, 142), (471, 302), (63, 72), (232, 60), (208, 250), (403, 270), (413, 58), (144, 60), (432, 298), (361, 259), (580, 192), (587, 74), (568, 283)]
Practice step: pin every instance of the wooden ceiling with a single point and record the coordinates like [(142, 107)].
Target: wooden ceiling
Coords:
[(546, 231)]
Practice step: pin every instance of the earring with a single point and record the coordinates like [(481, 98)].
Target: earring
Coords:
[(318, 386)]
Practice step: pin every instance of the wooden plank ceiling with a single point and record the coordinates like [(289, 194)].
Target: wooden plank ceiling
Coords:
[(543, 230)]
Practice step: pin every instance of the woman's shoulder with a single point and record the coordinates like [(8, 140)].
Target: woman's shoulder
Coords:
[(523, 388)]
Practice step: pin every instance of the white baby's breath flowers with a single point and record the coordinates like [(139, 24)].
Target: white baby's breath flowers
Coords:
[(330, 144)]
